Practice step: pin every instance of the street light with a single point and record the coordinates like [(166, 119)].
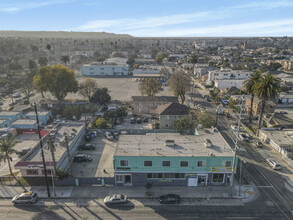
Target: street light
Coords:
[(217, 114)]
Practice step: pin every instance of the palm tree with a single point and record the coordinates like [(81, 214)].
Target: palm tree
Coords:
[(6, 149), (249, 86), (267, 88), (65, 59)]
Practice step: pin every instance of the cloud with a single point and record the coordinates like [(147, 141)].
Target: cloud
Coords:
[(260, 28), (128, 24), (264, 5), (19, 6)]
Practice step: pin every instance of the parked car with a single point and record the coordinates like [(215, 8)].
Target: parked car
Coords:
[(115, 199), (123, 132), (258, 143), (283, 112), (243, 137), (87, 137), (132, 120), (82, 158), (234, 128), (109, 136), (25, 198), (138, 120), (274, 164), (145, 120), (220, 111), (116, 135), (16, 95), (12, 103), (169, 199), (87, 147)]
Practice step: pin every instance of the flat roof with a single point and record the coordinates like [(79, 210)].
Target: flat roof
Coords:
[(42, 113), (24, 122), (3, 120), (60, 148), (8, 113), (282, 138), (185, 145)]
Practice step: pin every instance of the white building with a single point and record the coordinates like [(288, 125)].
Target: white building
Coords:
[(224, 84), (147, 70), (100, 69), (84, 53), (226, 78)]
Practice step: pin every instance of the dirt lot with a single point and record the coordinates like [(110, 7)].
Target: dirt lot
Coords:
[(102, 159)]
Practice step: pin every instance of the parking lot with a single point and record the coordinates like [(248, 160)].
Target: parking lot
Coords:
[(127, 125), (102, 159)]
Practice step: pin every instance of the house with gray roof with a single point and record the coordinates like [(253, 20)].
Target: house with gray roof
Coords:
[(169, 113), (148, 104)]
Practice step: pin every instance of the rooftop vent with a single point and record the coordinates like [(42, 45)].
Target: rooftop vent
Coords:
[(169, 143), (208, 143)]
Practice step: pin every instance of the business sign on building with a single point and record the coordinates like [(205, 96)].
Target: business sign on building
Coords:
[(221, 169)]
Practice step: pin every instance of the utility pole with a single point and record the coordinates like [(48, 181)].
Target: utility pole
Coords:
[(68, 153), (240, 179), (52, 148), (42, 150), (217, 115), (236, 146)]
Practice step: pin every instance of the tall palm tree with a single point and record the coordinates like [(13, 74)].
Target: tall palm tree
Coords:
[(6, 149), (266, 89), (249, 86)]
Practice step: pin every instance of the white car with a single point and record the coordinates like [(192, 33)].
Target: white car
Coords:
[(115, 199), (234, 128), (274, 164), (243, 137), (220, 111)]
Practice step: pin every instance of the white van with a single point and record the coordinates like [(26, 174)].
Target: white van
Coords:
[(274, 164)]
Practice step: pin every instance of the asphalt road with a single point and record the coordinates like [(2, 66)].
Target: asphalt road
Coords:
[(274, 196), (273, 193), (63, 210)]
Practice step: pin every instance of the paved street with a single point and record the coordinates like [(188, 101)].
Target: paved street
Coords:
[(94, 209), (274, 195)]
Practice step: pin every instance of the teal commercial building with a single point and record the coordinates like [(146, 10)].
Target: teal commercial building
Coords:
[(170, 159)]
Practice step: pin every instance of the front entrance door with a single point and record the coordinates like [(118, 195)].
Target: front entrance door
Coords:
[(127, 180), (192, 181), (202, 179)]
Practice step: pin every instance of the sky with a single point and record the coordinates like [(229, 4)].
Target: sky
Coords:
[(152, 18)]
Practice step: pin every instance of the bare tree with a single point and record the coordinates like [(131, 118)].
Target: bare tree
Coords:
[(87, 88), (149, 86), (179, 84)]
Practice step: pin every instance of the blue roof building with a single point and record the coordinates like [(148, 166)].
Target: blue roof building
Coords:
[(44, 116)]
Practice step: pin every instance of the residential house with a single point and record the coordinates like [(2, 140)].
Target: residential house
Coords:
[(171, 159), (256, 108), (148, 104), (169, 113)]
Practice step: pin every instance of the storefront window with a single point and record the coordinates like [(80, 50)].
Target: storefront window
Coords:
[(218, 178), (119, 178)]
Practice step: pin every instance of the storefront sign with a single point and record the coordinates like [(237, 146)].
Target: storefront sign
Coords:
[(221, 169)]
